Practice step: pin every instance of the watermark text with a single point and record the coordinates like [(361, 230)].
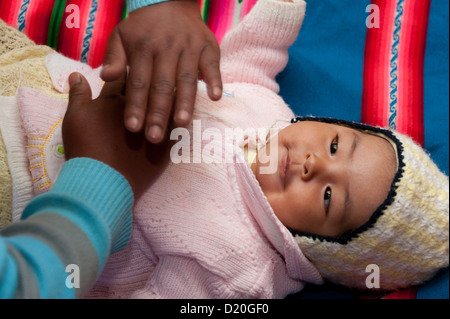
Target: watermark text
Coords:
[(373, 19)]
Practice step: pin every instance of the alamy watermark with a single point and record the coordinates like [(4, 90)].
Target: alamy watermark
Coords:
[(373, 279), (215, 146), (73, 18), (373, 19), (73, 277)]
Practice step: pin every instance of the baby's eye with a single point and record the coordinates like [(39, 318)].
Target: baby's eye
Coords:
[(327, 198), (334, 145)]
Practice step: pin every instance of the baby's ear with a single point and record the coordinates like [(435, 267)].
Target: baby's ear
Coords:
[(42, 117)]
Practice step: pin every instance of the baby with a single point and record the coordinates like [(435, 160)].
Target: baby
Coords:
[(281, 202)]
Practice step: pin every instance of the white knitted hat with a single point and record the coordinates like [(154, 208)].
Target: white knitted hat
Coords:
[(406, 238)]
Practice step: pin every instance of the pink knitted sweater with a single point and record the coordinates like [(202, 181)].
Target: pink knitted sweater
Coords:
[(205, 229)]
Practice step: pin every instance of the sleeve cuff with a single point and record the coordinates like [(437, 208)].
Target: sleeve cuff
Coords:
[(136, 4), (101, 188)]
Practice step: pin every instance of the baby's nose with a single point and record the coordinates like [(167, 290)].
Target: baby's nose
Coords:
[(309, 167)]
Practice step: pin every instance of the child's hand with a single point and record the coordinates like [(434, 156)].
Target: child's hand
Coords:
[(95, 129), (165, 46)]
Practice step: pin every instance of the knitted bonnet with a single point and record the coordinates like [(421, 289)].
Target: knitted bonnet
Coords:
[(406, 240)]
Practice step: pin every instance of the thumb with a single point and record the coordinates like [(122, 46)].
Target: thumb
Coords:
[(80, 91)]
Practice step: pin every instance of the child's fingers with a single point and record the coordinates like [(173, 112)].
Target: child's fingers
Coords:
[(162, 92), (187, 78), (209, 66), (115, 87), (80, 92), (115, 60), (137, 87), (80, 97)]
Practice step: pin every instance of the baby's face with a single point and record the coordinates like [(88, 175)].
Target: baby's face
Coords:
[(330, 178)]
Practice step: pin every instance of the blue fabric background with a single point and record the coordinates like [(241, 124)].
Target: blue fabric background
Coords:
[(324, 78)]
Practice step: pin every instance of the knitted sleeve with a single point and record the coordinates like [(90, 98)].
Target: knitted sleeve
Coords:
[(256, 50), (136, 4), (66, 235)]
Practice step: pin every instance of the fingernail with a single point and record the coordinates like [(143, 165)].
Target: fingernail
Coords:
[(217, 91), (154, 132), (183, 116), (104, 67), (132, 123), (74, 79)]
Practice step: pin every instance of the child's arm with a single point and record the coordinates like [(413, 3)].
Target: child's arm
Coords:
[(66, 235), (257, 49), (165, 46)]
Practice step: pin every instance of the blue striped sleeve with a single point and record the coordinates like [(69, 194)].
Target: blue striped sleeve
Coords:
[(66, 235)]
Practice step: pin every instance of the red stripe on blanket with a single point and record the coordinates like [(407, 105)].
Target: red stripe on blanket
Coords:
[(38, 17), (224, 15), (403, 294), (9, 11), (70, 39), (246, 7), (376, 67), (393, 67), (410, 293), (411, 63), (220, 17), (109, 14)]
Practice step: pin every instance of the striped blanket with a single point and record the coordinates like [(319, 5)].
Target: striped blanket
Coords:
[(79, 29), (387, 73)]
